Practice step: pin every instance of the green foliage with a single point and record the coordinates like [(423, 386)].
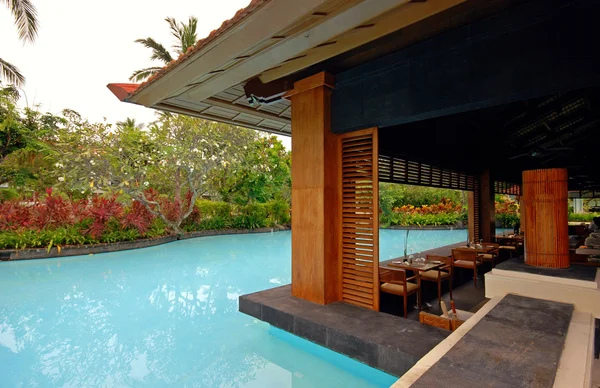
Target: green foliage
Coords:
[(507, 220), (8, 194), (157, 228), (211, 209), (251, 216), (67, 235), (278, 212), (392, 195), (262, 173), (507, 211), (404, 219), (582, 217)]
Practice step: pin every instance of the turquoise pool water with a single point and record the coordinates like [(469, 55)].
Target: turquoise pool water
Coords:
[(167, 316)]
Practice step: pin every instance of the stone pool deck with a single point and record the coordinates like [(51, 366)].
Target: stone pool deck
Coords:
[(383, 341), (517, 343)]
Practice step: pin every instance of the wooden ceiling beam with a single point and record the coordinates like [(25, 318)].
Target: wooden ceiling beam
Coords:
[(244, 109), (401, 16)]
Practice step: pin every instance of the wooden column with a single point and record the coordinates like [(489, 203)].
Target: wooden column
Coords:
[(316, 193), (487, 207), (472, 225), (545, 217)]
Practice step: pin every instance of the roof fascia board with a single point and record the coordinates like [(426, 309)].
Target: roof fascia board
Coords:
[(291, 47), (387, 23)]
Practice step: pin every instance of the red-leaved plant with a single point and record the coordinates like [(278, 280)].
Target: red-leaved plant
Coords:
[(102, 210), (14, 215), (137, 217)]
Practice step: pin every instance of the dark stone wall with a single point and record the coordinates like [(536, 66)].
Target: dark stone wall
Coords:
[(533, 49)]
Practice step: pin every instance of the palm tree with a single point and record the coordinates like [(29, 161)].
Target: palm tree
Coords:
[(25, 16), (185, 37), (129, 123)]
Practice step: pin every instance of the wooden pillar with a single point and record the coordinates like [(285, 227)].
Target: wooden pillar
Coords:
[(316, 194), (545, 217), (471, 216), (487, 207)]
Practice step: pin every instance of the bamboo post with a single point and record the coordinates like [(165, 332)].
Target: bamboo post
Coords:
[(545, 218)]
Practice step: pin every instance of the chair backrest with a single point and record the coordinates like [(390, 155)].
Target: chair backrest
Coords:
[(443, 259), (515, 242), (466, 254), (386, 275), (397, 275), (400, 275), (489, 244)]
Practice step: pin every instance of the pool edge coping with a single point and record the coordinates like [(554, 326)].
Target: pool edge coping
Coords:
[(78, 250)]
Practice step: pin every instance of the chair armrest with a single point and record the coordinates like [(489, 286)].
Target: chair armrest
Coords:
[(413, 277)]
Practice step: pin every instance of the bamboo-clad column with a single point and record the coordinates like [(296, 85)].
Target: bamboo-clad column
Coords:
[(545, 215)]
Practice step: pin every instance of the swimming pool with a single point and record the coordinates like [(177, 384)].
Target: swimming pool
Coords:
[(167, 316)]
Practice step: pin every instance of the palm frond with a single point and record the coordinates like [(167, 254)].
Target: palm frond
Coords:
[(11, 74), (185, 34), (129, 123), (143, 74), (25, 16), (159, 52)]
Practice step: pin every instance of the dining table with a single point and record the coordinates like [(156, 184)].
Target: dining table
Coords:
[(400, 265), (483, 249), (510, 240), (397, 264)]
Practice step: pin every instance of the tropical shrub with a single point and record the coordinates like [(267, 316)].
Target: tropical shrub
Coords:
[(582, 217), (251, 216), (396, 195), (278, 212), (8, 194), (446, 212), (209, 209), (56, 220), (507, 211)]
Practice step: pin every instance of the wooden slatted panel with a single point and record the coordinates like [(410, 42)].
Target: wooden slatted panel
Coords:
[(360, 217), (399, 170), (501, 187)]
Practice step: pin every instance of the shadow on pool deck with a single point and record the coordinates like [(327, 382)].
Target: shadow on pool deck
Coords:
[(466, 296)]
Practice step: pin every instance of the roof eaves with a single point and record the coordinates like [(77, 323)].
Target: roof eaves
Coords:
[(239, 16)]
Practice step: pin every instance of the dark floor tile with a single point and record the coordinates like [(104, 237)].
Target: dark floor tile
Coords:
[(533, 314), (394, 361), (250, 307), (446, 375), (518, 364), (278, 318), (578, 272), (353, 347), (310, 330)]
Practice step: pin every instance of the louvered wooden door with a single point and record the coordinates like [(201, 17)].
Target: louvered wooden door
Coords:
[(360, 218)]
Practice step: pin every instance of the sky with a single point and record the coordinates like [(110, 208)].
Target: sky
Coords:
[(84, 45)]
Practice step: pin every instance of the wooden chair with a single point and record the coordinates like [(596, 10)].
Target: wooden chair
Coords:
[(439, 275), (395, 282), (509, 245), (492, 255), (467, 258)]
